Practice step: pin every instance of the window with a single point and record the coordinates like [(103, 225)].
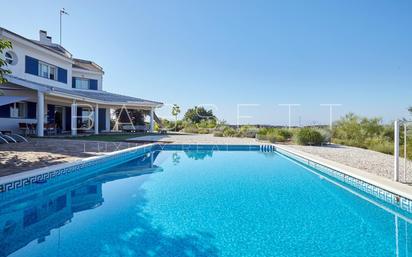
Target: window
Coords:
[(9, 58), (18, 110), (47, 71), (86, 119), (81, 83)]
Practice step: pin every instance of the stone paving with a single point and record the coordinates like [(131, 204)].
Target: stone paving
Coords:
[(207, 139), (39, 153)]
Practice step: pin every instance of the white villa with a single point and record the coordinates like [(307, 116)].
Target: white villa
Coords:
[(48, 86)]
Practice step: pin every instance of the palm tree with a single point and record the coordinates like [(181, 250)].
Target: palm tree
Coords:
[(175, 112)]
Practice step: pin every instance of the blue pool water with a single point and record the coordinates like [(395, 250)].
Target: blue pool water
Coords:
[(201, 203)]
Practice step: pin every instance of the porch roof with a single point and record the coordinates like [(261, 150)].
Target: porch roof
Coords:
[(94, 96), (11, 99)]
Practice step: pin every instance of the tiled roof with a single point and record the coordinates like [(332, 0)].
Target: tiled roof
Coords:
[(103, 97), (86, 65), (54, 47)]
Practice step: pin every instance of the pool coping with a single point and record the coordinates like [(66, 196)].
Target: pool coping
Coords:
[(396, 188)]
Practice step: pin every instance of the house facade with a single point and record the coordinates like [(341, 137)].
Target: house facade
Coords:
[(49, 87)]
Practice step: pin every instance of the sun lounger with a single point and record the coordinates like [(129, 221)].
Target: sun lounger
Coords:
[(12, 138), (135, 128)]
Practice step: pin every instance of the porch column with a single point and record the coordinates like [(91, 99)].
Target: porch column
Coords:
[(96, 119), (74, 118), (151, 120), (107, 119), (40, 114)]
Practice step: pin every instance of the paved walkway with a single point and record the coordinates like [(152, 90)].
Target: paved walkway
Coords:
[(39, 153), (207, 139)]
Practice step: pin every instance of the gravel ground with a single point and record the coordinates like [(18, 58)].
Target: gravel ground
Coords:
[(367, 160)]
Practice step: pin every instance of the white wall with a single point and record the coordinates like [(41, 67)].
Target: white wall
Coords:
[(89, 75), (12, 124), (22, 48)]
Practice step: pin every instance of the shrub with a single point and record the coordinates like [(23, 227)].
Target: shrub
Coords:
[(248, 131), (229, 132), (191, 128), (380, 145), (261, 134), (326, 134), (261, 137), (285, 133), (172, 125), (274, 137), (274, 134), (308, 136), (203, 131), (211, 123)]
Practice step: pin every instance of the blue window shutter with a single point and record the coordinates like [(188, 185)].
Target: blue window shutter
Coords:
[(79, 118), (31, 110), (68, 118), (5, 111), (51, 113), (62, 75), (102, 119), (93, 84), (32, 65), (73, 82)]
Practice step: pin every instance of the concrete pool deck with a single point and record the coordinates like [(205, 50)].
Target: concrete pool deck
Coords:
[(206, 139), (44, 152)]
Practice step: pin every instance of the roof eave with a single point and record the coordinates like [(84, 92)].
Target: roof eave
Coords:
[(17, 37), (86, 99)]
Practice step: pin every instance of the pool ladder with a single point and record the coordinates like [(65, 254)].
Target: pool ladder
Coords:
[(267, 148)]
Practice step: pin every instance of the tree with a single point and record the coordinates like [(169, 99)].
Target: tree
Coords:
[(136, 116), (175, 112), (197, 114), (4, 44)]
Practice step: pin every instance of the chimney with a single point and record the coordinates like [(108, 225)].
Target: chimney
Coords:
[(44, 38)]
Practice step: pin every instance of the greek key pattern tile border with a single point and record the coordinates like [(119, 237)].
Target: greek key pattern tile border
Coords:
[(399, 201), (58, 172)]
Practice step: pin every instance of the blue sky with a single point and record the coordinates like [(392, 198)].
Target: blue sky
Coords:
[(225, 53)]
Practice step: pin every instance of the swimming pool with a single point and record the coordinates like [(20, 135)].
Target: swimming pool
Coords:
[(192, 202)]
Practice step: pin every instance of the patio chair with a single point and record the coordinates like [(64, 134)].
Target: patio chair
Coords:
[(32, 128), (50, 128), (24, 127)]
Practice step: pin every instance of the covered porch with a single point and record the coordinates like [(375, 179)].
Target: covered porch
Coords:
[(74, 111)]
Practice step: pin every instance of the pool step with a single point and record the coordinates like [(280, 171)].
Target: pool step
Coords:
[(267, 148)]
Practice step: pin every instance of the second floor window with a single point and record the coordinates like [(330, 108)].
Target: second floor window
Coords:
[(81, 83), (47, 71)]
